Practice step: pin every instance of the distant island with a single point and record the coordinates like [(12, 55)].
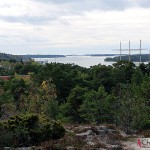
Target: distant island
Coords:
[(134, 58), (100, 55), (42, 56), (10, 57)]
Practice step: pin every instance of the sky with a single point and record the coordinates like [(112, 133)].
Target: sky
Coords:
[(73, 26)]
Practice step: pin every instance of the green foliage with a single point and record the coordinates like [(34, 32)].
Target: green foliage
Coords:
[(52, 109), (26, 130), (137, 77), (134, 58), (28, 67), (124, 110), (102, 75), (144, 69), (40, 98), (123, 71), (11, 58), (74, 101), (65, 77), (95, 107), (131, 111), (117, 94), (146, 125)]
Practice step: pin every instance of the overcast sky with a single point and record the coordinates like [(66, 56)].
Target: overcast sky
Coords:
[(72, 26)]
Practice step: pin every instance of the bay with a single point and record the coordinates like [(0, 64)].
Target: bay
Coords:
[(83, 61)]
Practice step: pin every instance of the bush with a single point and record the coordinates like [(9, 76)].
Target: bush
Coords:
[(146, 125), (28, 130)]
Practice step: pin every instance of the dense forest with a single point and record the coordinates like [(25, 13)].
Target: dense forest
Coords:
[(134, 58), (10, 57), (117, 94)]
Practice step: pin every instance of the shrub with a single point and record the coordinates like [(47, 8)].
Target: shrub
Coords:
[(28, 130), (146, 125)]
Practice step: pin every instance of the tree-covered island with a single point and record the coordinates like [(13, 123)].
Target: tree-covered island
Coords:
[(133, 58)]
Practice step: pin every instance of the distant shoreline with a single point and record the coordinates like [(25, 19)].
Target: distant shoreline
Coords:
[(133, 58), (41, 56), (56, 56)]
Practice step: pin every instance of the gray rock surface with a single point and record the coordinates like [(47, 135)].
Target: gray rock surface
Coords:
[(100, 136)]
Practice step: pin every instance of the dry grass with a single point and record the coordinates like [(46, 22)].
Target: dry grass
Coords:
[(146, 133), (68, 140), (110, 126)]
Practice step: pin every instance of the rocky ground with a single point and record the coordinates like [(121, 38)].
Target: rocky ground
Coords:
[(102, 137), (129, 145)]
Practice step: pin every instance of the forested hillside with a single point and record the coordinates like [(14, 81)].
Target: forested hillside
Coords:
[(10, 57), (133, 58), (117, 94)]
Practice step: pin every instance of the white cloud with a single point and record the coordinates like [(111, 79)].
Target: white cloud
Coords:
[(53, 26)]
